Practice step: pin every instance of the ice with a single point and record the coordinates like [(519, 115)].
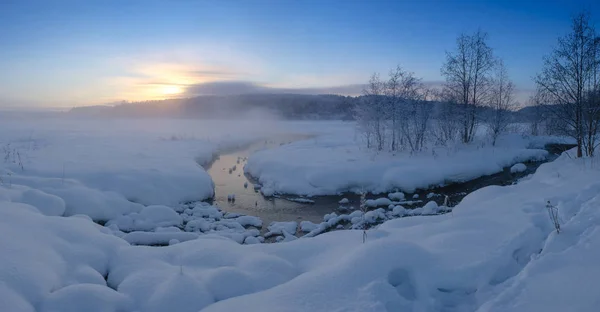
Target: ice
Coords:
[(520, 167)]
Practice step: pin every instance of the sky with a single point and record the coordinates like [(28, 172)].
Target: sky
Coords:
[(67, 53)]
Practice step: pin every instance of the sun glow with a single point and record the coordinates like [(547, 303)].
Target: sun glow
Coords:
[(170, 90)]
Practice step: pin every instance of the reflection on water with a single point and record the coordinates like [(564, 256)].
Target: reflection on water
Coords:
[(249, 201)]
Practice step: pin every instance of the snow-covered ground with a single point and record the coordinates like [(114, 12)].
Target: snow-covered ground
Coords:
[(498, 251), (334, 163), (105, 168)]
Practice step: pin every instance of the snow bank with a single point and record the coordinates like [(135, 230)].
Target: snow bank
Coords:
[(152, 162), (335, 163)]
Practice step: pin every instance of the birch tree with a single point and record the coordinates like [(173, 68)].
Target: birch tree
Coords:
[(569, 82), (467, 72), (501, 101)]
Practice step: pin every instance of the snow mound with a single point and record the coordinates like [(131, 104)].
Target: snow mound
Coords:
[(249, 221), (520, 167), (396, 196), (279, 228)]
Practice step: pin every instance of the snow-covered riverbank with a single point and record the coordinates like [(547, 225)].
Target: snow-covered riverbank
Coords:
[(498, 243), (335, 163)]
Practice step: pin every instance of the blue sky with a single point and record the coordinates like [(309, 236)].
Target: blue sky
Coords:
[(68, 53)]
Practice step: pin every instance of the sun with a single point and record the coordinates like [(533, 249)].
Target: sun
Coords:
[(170, 90)]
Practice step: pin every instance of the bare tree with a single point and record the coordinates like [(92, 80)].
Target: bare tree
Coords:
[(446, 114), (418, 112), (397, 106), (393, 98), (501, 101), (370, 113), (467, 73), (569, 82), (410, 113), (537, 117)]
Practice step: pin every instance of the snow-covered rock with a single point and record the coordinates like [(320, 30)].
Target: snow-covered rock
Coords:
[(396, 196), (307, 226), (520, 167), (278, 228), (160, 215), (249, 221), (379, 202), (430, 208), (267, 191)]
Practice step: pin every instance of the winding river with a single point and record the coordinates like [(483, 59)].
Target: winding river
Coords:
[(228, 175)]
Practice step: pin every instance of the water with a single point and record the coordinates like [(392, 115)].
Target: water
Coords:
[(251, 202)]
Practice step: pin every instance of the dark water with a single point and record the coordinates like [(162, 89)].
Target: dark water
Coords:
[(249, 201)]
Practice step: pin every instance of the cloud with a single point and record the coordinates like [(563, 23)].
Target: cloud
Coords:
[(248, 87)]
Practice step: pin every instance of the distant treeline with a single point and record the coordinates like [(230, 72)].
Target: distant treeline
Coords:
[(286, 106)]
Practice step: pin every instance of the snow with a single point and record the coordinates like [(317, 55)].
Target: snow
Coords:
[(161, 215), (344, 201), (100, 167), (430, 208), (86, 297), (334, 163), (267, 191), (280, 228), (518, 168), (249, 221), (157, 238), (301, 200), (498, 251), (397, 196), (307, 226), (379, 202)]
